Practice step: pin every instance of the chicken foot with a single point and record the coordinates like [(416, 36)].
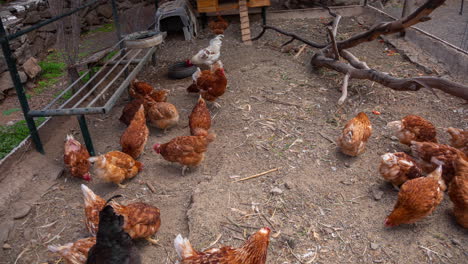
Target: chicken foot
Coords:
[(152, 240)]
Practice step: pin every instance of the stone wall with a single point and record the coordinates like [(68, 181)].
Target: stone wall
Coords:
[(17, 15)]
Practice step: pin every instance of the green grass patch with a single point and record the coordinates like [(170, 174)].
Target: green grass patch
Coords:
[(11, 136), (67, 95), (109, 27), (10, 111), (53, 68), (110, 55)]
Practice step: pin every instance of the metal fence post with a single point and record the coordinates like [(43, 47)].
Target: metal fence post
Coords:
[(11, 62), (86, 134)]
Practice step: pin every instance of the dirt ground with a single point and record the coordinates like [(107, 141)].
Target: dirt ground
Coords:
[(323, 207)]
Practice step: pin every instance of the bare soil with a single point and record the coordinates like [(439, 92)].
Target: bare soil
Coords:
[(277, 113)]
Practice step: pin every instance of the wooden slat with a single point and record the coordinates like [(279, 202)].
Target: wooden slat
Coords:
[(245, 24)]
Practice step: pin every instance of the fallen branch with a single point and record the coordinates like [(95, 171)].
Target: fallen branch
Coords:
[(257, 175), (333, 43), (292, 35), (344, 89)]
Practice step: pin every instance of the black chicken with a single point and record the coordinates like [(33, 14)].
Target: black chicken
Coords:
[(113, 244)]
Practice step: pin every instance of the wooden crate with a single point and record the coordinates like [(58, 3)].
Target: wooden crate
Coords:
[(209, 6)]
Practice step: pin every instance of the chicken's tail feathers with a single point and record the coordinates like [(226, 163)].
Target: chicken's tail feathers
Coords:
[(196, 74), (183, 247), (60, 249), (437, 175), (93, 159), (88, 195), (70, 137)]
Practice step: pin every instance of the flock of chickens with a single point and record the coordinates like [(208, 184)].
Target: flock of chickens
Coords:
[(113, 225), (445, 165)]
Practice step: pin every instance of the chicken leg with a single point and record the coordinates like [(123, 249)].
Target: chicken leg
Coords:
[(152, 240)]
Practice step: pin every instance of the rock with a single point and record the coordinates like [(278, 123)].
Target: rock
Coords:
[(6, 246), (92, 18), (377, 194), (50, 40), (105, 10), (456, 242), (31, 67), (288, 185), (5, 229), (276, 190), (45, 14), (374, 246), (347, 165), (6, 83), (394, 138), (21, 211), (32, 18)]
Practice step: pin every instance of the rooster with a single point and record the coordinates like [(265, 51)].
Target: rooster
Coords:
[(208, 55), (133, 140), (75, 158), (413, 128), (116, 166), (399, 167), (417, 199), (355, 134), (430, 155), (458, 192), (186, 150), (74, 253), (211, 84), (459, 139), (140, 220), (254, 251), (218, 26), (200, 119), (113, 244)]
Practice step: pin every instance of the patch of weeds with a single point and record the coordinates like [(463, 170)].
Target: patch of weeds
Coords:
[(109, 27), (11, 136), (10, 111), (110, 55), (67, 95), (52, 69)]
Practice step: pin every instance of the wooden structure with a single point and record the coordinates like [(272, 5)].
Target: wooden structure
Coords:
[(208, 6), (212, 6)]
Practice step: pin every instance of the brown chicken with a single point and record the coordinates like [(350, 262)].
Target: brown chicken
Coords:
[(200, 119), (218, 26), (187, 150), (116, 166), (417, 199), (254, 251), (130, 110), (459, 139), (399, 167), (413, 128), (139, 90), (355, 134), (74, 253), (75, 158), (140, 220), (458, 192), (430, 155), (161, 114), (211, 84), (134, 138)]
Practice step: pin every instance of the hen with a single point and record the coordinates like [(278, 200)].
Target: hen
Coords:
[(161, 114), (208, 55), (74, 253), (140, 220), (187, 150), (417, 199), (200, 119), (431, 154), (254, 251), (355, 134), (130, 109), (133, 140), (113, 244), (75, 158), (139, 90), (218, 26), (459, 139), (458, 192), (116, 166), (211, 84), (413, 128), (399, 167)]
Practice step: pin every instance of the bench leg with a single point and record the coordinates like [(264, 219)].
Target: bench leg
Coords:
[(264, 15), (204, 20), (86, 135)]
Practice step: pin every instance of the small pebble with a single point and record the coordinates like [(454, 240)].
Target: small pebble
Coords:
[(22, 211), (333, 168), (456, 242), (394, 138), (377, 194), (374, 246), (287, 186), (276, 190), (6, 246), (347, 165)]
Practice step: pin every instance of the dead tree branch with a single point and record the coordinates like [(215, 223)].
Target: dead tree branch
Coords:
[(292, 35), (344, 89), (333, 43)]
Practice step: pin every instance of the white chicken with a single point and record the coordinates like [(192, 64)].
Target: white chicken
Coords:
[(208, 55)]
